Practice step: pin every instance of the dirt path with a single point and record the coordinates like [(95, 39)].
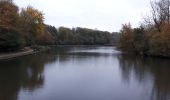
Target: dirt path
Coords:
[(16, 54)]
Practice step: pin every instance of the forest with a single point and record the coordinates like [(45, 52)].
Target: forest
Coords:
[(153, 36), (25, 27)]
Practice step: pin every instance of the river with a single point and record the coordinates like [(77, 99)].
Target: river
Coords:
[(84, 73)]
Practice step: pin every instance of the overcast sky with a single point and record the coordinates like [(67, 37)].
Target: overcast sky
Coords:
[(106, 15)]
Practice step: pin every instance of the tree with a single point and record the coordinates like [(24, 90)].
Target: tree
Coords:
[(32, 24), (139, 40), (8, 15), (159, 42), (160, 12), (10, 40), (50, 35), (158, 35), (65, 35), (126, 39), (10, 37), (153, 38)]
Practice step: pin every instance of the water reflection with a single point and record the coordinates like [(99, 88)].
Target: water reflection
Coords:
[(25, 73), (143, 69), (88, 73)]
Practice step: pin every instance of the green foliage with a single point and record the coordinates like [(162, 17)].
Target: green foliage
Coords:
[(50, 36), (27, 28), (10, 40), (10, 37), (19, 28), (115, 38), (83, 36), (65, 35), (139, 40)]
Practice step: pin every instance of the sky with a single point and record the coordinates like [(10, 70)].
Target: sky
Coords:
[(105, 15)]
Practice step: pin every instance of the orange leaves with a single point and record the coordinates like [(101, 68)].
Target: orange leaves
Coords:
[(33, 22), (32, 15), (9, 15), (126, 39)]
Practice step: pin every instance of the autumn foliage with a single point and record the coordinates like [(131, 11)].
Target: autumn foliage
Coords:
[(153, 37), (32, 25), (10, 38), (8, 15), (27, 28)]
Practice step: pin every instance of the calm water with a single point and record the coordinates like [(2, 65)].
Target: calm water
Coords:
[(84, 73)]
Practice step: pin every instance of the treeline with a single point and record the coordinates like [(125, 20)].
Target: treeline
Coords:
[(76, 36), (153, 36), (19, 29), (79, 36), (27, 28)]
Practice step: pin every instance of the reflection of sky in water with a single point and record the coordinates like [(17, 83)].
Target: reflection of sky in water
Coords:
[(106, 50), (85, 73)]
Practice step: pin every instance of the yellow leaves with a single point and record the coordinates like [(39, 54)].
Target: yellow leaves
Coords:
[(159, 41), (126, 39), (32, 15), (8, 15), (33, 20), (165, 36)]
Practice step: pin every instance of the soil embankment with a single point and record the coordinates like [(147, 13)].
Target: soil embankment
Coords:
[(5, 56)]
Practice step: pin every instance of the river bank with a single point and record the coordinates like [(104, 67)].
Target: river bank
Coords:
[(23, 52), (35, 49), (11, 55)]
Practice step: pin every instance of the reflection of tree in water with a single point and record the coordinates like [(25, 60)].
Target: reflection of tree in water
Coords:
[(27, 72), (157, 70), (23, 73), (65, 53), (128, 66)]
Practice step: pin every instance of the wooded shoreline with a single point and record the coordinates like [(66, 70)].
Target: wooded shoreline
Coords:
[(36, 49)]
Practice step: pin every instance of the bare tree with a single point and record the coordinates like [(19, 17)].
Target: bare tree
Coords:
[(160, 12)]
